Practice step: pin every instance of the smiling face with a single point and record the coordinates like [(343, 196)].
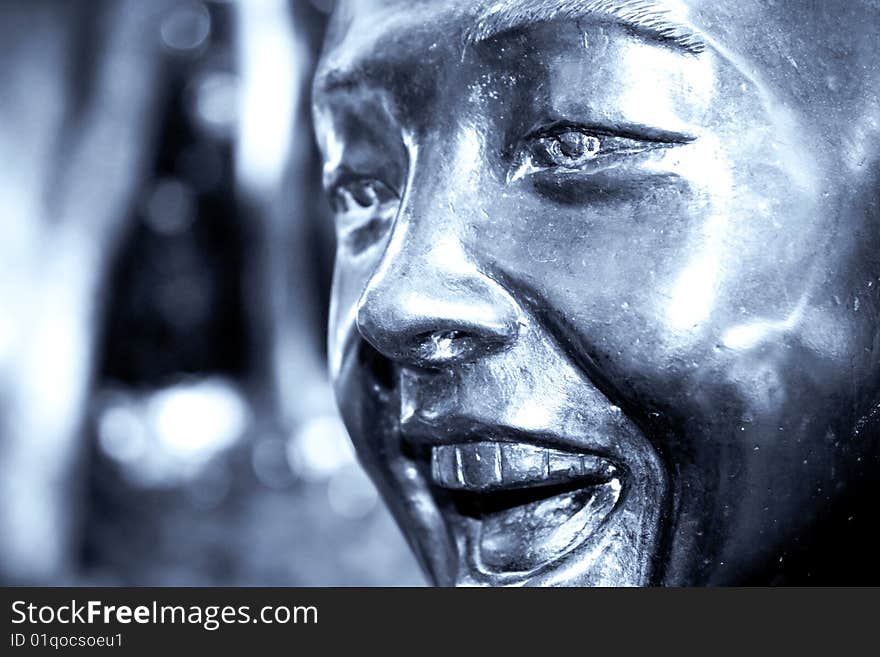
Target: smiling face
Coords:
[(606, 297)]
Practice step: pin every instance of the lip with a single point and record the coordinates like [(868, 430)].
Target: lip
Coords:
[(516, 508)]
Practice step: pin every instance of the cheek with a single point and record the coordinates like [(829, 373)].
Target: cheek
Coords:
[(609, 263), (653, 274), (350, 276)]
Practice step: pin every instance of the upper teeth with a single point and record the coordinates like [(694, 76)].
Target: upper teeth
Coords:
[(495, 465)]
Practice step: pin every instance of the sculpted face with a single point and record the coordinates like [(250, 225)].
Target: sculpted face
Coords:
[(606, 298)]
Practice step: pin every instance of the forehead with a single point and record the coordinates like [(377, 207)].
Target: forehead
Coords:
[(411, 47), (818, 58), (376, 34), (826, 35), (371, 30)]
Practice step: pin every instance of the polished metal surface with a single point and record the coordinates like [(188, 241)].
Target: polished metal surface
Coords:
[(605, 308)]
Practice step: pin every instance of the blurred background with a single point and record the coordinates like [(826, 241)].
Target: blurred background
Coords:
[(165, 261)]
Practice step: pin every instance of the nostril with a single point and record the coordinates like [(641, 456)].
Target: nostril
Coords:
[(435, 348), (443, 345)]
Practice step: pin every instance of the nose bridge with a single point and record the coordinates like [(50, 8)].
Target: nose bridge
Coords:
[(429, 302)]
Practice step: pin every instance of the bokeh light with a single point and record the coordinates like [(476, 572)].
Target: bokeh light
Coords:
[(320, 448), (186, 27)]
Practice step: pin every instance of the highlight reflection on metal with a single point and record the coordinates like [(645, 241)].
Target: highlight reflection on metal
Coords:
[(636, 240)]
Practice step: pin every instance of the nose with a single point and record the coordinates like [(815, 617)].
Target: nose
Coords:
[(429, 305)]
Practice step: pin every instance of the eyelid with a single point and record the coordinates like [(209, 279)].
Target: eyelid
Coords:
[(622, 142), (342, 176), (632, 131), (338, 177)]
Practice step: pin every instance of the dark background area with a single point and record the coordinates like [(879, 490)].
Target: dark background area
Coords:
[(198, 463)]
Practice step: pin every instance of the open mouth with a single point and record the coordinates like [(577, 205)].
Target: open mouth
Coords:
[(518, 507)]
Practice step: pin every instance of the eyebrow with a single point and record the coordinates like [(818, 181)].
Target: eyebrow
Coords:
[(641, 16), (644, 17)]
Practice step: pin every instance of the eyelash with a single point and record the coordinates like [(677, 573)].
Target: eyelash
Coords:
[(586, 149)]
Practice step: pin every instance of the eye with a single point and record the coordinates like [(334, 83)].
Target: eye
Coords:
[(359, 193), (570, 149), (363, 207)]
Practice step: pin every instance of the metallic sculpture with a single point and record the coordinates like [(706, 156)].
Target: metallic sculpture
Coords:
[(606, 299)]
